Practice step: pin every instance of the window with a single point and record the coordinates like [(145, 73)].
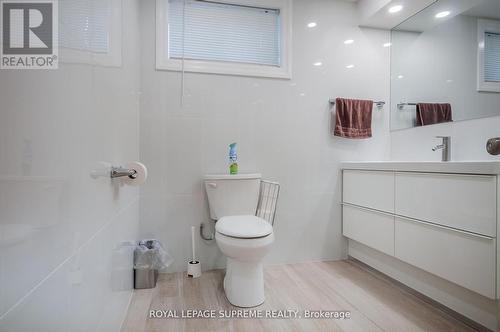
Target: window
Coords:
[(488, 58), (84, 25), (248, 38), (224, 32), (90, 32), (492, 57)]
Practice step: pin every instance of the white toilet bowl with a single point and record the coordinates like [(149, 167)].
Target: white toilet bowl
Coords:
[(245, 241)]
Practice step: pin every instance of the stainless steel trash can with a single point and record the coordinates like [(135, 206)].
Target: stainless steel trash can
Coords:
[(146, 256), (145, 278)]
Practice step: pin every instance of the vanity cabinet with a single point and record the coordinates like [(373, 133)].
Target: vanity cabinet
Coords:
[(460, 257), (372, 189), (443, 223), (360, 224), (466, 202)]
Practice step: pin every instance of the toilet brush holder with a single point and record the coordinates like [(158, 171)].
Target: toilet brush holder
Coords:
[(194, 266), (194, 269)]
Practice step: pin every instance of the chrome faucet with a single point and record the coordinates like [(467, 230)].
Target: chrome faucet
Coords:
[(445, 147)]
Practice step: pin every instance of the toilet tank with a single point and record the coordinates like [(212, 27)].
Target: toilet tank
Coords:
[(230, 195)]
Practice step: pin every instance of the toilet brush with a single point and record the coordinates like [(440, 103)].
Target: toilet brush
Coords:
[(194, 266)]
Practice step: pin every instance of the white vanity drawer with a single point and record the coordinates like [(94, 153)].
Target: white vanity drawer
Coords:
[(463, 258), (466, 202), (370, 189), (369, 227)]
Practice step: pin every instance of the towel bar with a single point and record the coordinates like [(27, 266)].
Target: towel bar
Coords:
[(402, 105), (379, 104)]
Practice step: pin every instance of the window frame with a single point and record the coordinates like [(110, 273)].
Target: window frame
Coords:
[(163, 62), (112, 58), (484, 26)]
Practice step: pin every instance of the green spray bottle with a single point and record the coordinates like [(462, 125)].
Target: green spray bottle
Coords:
[(233, 159)]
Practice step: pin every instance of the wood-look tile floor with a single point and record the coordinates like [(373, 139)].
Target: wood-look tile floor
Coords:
[(375, 304)]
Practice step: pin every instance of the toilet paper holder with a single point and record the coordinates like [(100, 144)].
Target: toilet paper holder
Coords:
[(117, 172)]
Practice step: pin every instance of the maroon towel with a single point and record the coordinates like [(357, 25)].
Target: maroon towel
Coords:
[(428, 114), (353, 118)]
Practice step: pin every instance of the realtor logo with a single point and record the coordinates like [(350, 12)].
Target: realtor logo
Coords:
[(29, 34)]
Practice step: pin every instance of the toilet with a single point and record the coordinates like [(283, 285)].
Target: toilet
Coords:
[(241, 236)]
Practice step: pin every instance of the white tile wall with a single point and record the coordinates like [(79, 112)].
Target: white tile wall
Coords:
[(62, 264), (281, 126), (89, 291)]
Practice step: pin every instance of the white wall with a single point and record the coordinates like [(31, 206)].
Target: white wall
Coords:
[(282, 128), (62, 263)]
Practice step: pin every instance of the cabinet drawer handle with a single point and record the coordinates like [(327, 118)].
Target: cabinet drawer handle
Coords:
[(444, 227), (486, 237), (367, 209)]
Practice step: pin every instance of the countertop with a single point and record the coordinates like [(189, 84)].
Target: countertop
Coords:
[(461, 167)]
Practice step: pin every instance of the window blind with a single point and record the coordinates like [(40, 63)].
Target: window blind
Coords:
[(223, 32), (492, 57), (85, 25)]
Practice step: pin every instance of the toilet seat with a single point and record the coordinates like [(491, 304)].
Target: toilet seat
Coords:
[(243, 227)]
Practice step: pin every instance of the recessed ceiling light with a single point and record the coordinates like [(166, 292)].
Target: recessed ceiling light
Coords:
[(395, 9), (349, 66), (312, 24), (387, 44), (348, 41), (442, 14), (318, 64), (400, 76)]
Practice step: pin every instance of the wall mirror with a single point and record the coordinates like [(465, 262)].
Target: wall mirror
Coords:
[(445, 64)]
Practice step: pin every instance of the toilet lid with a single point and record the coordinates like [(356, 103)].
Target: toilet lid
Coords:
[(245, 227)]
